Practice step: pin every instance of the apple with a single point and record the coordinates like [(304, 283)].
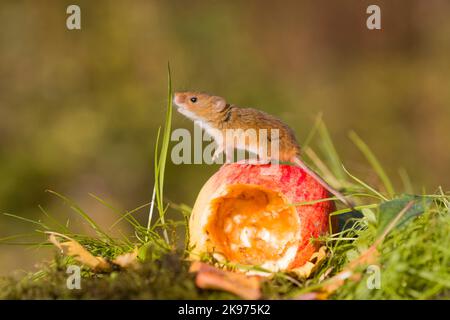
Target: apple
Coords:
[(246, 214)]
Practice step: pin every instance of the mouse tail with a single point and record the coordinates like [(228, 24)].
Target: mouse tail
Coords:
[(323, 183)]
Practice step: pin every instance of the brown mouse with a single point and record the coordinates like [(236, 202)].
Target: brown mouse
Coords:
[(215, 115)]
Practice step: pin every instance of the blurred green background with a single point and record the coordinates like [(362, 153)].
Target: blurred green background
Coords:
[(79, 110)]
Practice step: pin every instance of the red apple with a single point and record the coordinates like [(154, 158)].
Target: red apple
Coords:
[(244, 215)]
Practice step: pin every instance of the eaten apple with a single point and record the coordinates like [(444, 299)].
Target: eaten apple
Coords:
[(249, 214)]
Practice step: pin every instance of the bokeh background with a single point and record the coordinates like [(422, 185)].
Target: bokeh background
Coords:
[(79, 110)]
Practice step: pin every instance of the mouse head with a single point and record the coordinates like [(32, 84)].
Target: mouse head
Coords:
[(198, 106)]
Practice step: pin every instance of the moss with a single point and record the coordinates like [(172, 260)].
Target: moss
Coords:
[(165, 278)]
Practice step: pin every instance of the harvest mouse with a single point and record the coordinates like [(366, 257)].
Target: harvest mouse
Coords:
[(215, 115)]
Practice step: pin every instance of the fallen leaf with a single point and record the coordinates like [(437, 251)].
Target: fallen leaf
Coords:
[(314, 262), (209, 277), (127, 260), (74, 249)]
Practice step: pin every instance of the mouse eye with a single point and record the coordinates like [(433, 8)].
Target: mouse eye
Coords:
[(194, 99)]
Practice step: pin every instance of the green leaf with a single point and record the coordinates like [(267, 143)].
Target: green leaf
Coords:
[(369, 215), (389, 210)]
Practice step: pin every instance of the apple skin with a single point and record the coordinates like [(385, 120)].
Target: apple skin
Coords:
[(289, 180)]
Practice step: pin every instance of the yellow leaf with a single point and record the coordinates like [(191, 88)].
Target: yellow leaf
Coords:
[(127, 260), (74, 249), (314, 262), (209, 277)]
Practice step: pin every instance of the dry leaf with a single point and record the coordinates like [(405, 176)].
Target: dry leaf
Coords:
[(127, 260), (331, 285), (314, 262), (209, 277), (74, 249)]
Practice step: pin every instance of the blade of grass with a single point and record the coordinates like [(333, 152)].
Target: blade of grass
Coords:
[(405, 180), (365, 185), (373, 161), (129, 213), (186, 211), (160, 164), (83, 214), (327, 174), (306, 203), (16, 236), (313, 131), (152, 203), (56, 222), (26, 220), (125, 215), (164, 149), (330, 150)]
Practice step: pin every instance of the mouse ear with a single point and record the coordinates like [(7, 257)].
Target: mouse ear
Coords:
[(219, 103)]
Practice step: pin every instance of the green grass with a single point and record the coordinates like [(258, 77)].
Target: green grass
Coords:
[(413, 256), (160, 163), (414, 264)]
